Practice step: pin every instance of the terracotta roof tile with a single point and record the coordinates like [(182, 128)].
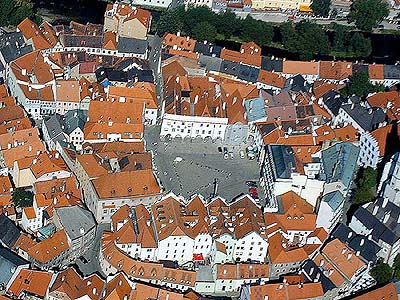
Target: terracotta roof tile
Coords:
[(286, 291), (49, 248), (380, 135), (300, 67), (271, 78), (375, 72), (31, 282), (179, 42), (338, 70), (386, 292)]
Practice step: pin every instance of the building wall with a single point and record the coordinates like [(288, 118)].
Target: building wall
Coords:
[(250, 247), (327, 217), (193, 127), (369, 151), (179, 248), (132, 29)]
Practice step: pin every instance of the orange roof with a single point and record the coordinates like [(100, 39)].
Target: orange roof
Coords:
[(32, 64), (388, 100), (338, 70), (242, 271), (5, 185), (280, 251), (375, 72), (321, 88), (171, 218), (30, 212), (11, 112), (118, 288), (146, 270), (180, 42), (91, 166), (31, 31), (24, 242), (31, 282), (339, 261), (54, 187), (6, 201), (144, 291), (286, 291), (126, 184), (3, 91), (132, 12), (110, 40), (50, 248), (386, 292), (271, 78), (380, 135), (68, 91), (250, 54), (300, 67), (141, 93), (297, 214), (99, 131)]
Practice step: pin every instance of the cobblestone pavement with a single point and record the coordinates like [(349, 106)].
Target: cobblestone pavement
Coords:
[(190, 167)]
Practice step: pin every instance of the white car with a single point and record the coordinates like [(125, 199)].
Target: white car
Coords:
[(241, 153)]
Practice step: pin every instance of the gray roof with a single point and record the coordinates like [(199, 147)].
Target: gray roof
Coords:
[(9, 232), (381, 217), (333, 101), (255, 109), (8, 263), (314, 273), (272, 65), (391, 71), (12, 51), (230, 67), (73, 119), (210, 63), (367, 118), (359, 243), (297, 83), (333, 199), (72, 40), (54, 128), (129, 45), (283, 159), (74, 219), (11, 38), (339, 163), (248, 73)]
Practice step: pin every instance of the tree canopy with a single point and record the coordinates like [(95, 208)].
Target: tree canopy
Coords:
[(12, 12), (360, 85), (321, 7), (366, 186), (368, 13), (204, 31), (22, 198), (382, 272)]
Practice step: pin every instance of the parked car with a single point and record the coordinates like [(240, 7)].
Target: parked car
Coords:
[(241, 153), (231, 154), (254, 196), (83, 259), (251, 183), (226, 156), (220, 149), (292, 17), (252, 190)]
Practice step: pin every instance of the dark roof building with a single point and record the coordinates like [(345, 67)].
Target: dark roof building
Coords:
[(9, 232)]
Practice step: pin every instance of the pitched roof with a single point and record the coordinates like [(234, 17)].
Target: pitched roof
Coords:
[(31, 31), (126, 184), (376, 72), (386, 292), (338, 70), (286, 291), (32, 282), (380, 135), (300, 67), (48, 249), (271, 78), (179, 42)]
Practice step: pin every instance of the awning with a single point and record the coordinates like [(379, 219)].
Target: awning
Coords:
[(198, 257), (305, 8)]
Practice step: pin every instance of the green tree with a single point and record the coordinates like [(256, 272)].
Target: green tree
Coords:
[(257, 31), (321, 7), (169, 22), (12, 12), (382, 272), (204, 31), (227, 23), (359, 84), (396, 266), (339, 37), (22, 198), (363, 195), (360, 45), (369, 178), (368, 13), (197, 14)]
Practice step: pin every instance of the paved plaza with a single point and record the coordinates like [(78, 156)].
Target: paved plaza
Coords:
[(191, 167)]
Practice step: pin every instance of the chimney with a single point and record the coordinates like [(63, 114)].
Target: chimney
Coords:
[(34, 161), (30, 148), (57, 155), (386, 217), (385, 202), (178, 33), (349, 256), (362, 242)]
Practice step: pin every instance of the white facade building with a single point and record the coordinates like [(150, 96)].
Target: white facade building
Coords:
[(193, 127)]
